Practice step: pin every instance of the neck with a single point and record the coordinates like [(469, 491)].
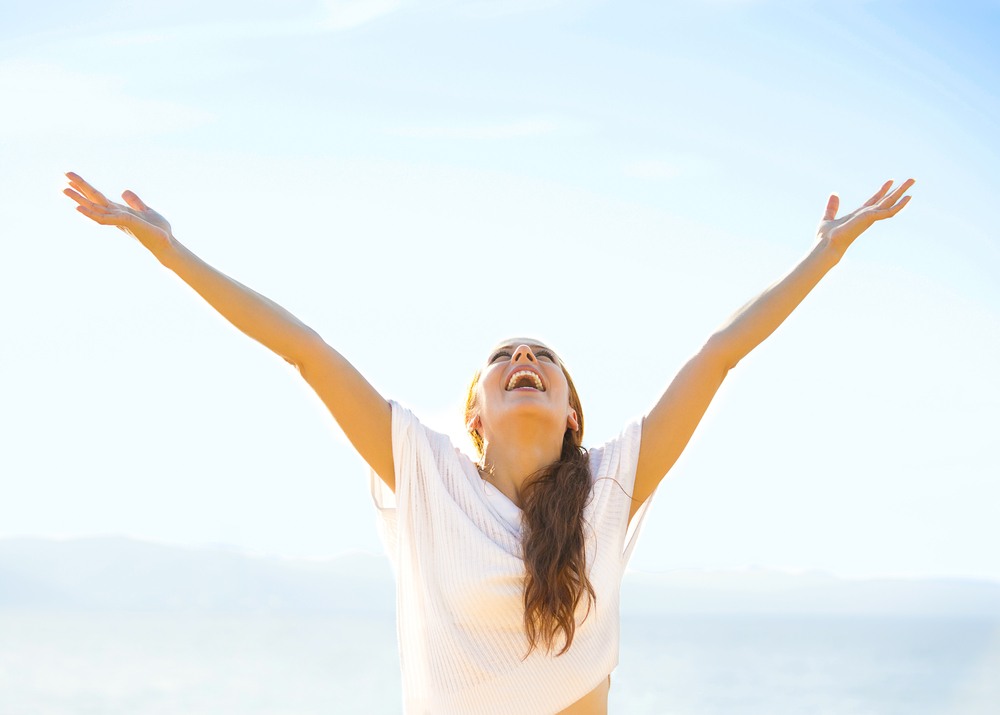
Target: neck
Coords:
[(509, 462)]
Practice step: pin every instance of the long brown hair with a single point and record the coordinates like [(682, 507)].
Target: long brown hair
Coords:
[(552, 502)]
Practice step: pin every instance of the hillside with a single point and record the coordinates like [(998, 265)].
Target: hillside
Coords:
[(118, 573)]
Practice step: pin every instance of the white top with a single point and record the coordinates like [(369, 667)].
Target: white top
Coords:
[(455, 544)]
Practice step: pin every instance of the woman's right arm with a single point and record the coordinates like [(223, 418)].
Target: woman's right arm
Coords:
[(363, 415)]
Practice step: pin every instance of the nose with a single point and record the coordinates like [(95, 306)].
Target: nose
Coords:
[(523, 352)]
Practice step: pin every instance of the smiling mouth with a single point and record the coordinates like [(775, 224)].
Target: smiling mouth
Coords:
[(524, 379)]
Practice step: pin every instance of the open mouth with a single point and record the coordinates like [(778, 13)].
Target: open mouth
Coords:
[(521, 379)]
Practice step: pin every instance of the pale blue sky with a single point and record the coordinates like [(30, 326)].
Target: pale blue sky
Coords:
[(380, 167)]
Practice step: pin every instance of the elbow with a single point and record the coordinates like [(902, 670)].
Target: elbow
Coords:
[(305, 350), (717, 351)]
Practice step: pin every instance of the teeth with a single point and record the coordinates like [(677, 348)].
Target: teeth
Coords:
[(524, 373)]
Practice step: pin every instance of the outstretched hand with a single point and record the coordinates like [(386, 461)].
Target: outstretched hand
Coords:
[(841, 232), (136, 218)]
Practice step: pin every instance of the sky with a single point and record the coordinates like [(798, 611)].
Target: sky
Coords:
[(416, 180)]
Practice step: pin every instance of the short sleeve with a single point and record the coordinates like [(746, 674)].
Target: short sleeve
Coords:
[(430, 483), (385, 506), (406, 435), (613, 467)]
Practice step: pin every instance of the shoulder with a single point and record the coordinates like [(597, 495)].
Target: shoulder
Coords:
[(619, 454), (415, 441)]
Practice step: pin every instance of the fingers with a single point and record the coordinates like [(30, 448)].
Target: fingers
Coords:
[(83, 201), (881, 213), (892, 198), (831, 208), (77, 182), (104, 215), (878, 195), (134, 201), (896, 209), (103, 218)]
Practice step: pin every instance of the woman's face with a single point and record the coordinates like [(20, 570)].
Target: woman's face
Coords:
[(523, 381)]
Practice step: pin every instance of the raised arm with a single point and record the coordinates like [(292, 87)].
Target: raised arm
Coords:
[(668, 427), (357, 407)]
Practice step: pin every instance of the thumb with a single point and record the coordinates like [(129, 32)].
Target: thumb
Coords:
[(134, 201), (831, 208)]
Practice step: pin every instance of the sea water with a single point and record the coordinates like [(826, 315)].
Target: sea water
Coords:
[(791, 665), (57, 664)]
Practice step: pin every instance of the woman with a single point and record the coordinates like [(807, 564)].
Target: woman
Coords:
[(508, 567)]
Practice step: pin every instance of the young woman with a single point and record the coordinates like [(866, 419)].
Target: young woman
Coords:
[(508, 566)]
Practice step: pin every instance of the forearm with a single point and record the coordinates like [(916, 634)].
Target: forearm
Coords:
[(750, 325), (253, 314)]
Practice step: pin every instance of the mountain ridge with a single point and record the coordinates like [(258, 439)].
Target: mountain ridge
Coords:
[(125, 574)]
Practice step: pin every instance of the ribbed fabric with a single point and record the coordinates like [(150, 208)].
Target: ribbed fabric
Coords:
[(455, 546)]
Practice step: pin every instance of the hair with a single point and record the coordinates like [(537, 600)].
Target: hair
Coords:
[(553, 534)]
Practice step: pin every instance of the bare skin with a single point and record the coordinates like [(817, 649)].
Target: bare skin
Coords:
[(522, 428), (523, 433), (593, 703)]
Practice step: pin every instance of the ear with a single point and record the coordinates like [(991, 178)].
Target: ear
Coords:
[(572, 422), (474, 423)]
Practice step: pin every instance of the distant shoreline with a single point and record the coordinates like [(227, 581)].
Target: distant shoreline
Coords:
[(125, 574)]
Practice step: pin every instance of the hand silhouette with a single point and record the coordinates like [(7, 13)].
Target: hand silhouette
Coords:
[(136, 219), (841, 232)]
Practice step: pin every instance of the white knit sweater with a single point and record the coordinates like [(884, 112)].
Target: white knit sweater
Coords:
[(455, 544)]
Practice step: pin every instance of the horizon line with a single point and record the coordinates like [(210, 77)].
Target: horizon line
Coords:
[(745, 568)]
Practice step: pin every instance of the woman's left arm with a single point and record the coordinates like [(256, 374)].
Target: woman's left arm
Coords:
[(668, 427)]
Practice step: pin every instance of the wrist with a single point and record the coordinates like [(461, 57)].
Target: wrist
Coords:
[(167, 251), (828, 251)]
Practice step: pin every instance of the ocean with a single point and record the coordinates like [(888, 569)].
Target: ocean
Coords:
[(111, 663)]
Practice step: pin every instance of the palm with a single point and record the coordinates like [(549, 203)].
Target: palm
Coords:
[(148, 215), (134, 217), (841, 232)]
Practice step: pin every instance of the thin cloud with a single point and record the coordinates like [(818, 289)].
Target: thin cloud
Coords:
[(505, 131), (45, 99), (651, 169), (344, 14), (489, 9), (328, 16)]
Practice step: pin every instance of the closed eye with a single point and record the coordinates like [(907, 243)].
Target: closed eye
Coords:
[(540, 353)]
